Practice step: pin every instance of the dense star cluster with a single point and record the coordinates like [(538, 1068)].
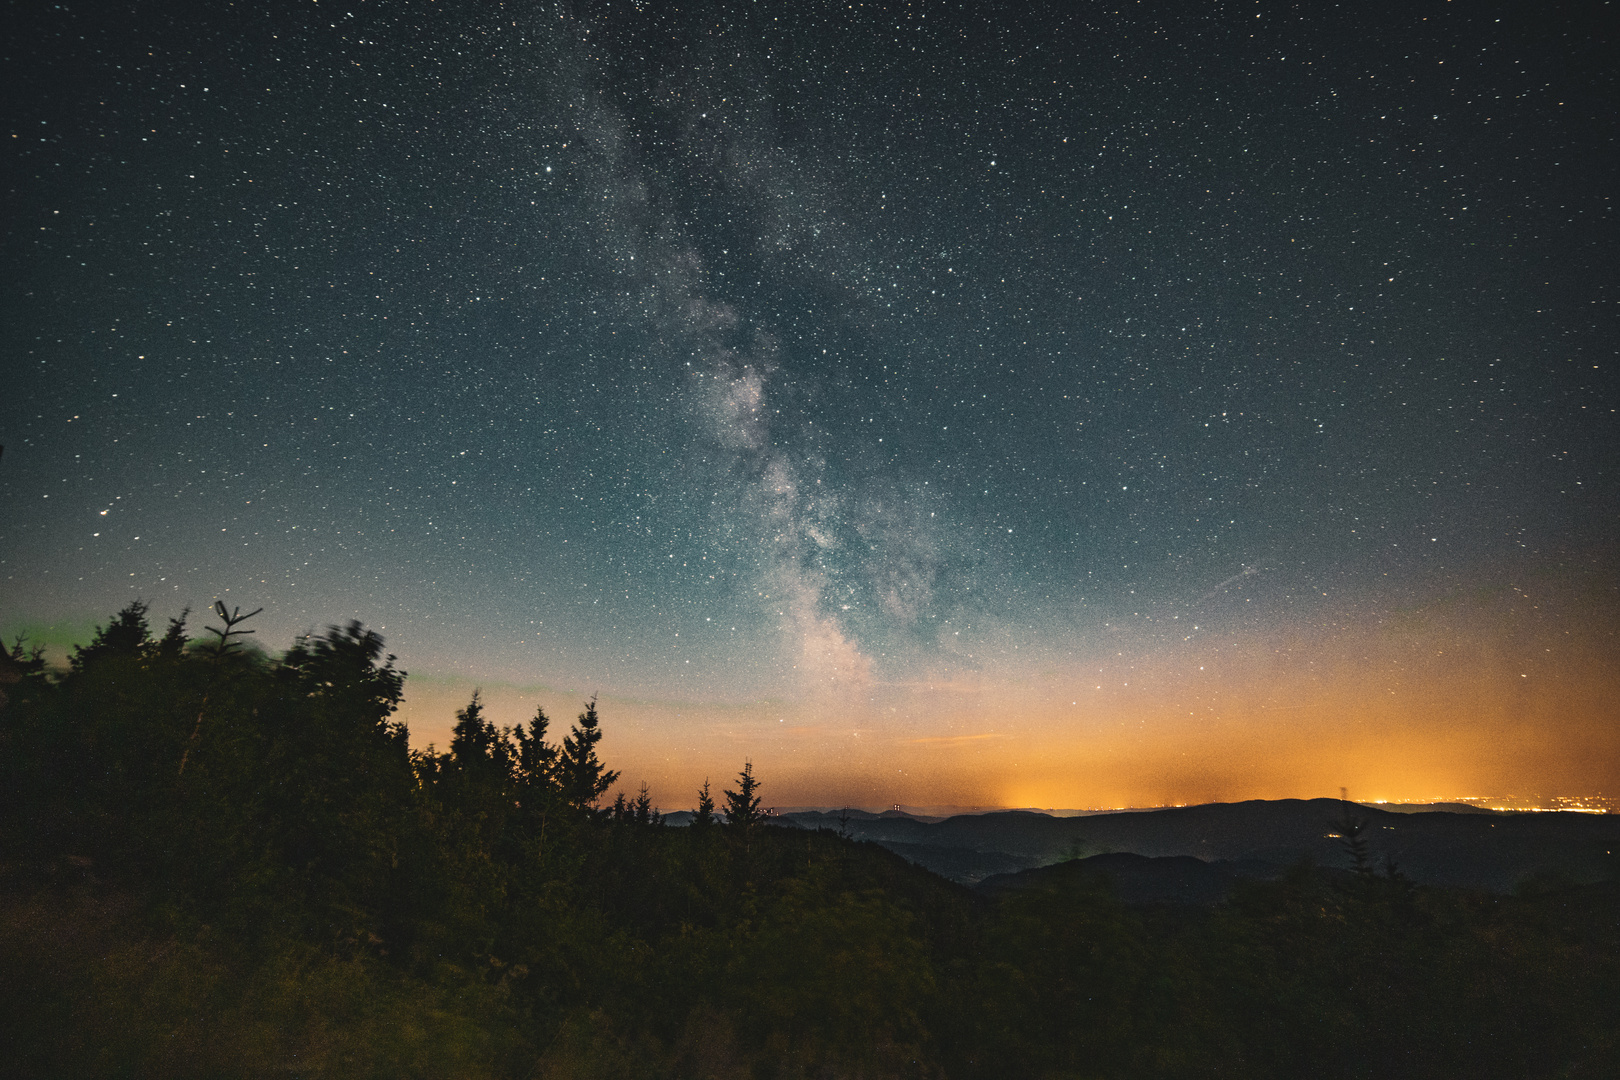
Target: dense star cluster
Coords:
[(956, 386)]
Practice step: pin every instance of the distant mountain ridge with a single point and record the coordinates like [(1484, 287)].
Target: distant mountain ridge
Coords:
[(1493, 851)]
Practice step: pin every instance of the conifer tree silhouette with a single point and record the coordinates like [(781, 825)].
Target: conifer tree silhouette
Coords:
[(704, 817), (536, 758), (475, 745), (174, 641), (742, 805), (127, 635), (584, 780), (645, 812)]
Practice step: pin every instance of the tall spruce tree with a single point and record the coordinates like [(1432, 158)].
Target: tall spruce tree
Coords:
[(174, 641), (536, 758), (644, 811), (742, 805), (583, 779), (476, 748), (704, 817)]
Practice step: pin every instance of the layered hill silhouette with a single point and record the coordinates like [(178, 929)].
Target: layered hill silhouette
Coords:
[(1492, 851)]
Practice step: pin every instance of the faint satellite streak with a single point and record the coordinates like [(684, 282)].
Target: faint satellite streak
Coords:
[(1239, 576), (953, 740)]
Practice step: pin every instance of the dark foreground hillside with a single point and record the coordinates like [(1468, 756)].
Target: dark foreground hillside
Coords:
[(216, 864)]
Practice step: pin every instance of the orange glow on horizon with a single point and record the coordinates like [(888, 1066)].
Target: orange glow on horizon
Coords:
[(1457, 698)]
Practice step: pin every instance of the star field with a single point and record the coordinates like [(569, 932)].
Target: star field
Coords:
[(856, 387)]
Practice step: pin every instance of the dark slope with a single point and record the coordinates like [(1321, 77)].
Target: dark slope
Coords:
[(1138, 879)]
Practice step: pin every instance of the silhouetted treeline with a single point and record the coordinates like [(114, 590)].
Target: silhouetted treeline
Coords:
[(220, 863)]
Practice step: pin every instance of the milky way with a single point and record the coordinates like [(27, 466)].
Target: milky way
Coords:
[(934, 403)]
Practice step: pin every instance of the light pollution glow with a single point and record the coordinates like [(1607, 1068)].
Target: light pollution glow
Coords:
[(1467, 694)]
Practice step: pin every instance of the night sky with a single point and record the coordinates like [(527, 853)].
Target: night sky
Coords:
[(1067, 405)]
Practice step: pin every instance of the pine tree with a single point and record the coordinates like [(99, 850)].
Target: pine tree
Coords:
[(704, 817), (584, 781), (742, 805), (536, 759), (22, 661), (128, 635), (174, 642), (645, 812), (476, 747), (234, 618), (173, 645)]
